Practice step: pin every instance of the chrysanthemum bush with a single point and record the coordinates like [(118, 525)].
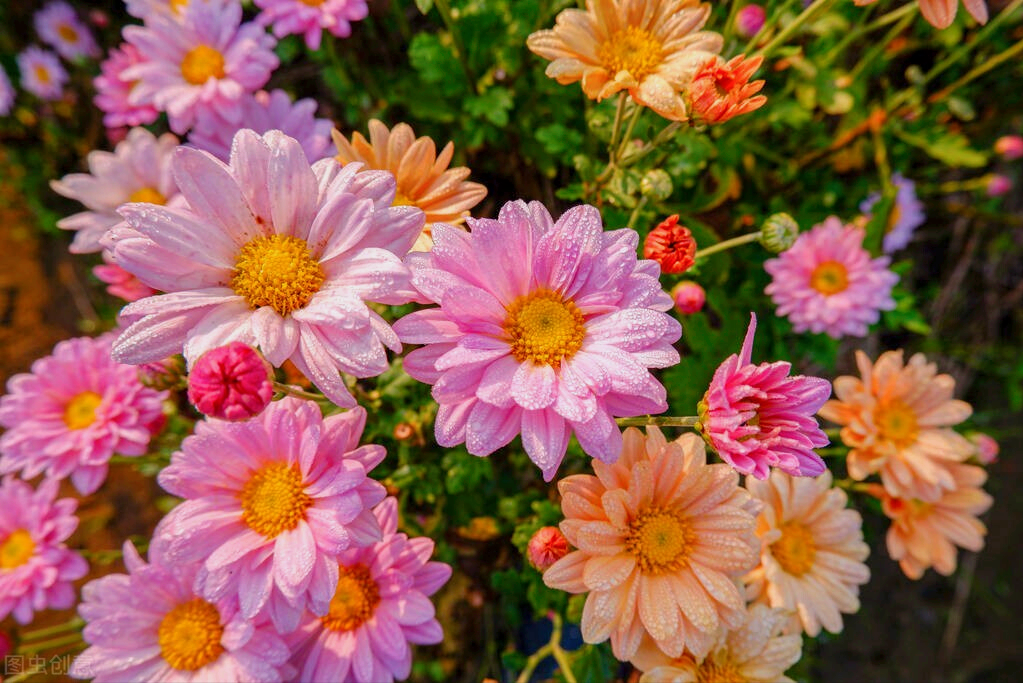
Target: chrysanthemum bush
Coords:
[(572, 350)]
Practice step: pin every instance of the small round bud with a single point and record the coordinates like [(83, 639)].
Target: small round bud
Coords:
[(779, 232), (689, 297), (1010, 147), (986, 448), (403, 431), (231, 382), (671, 245), (656, 184), (998, 185), (163, 375), (547, 546), (749, 20)]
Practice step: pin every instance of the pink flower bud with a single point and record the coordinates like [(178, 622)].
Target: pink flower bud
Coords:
[(689, 297), (122, 283), (115, 135), (750, 20), (1009, 146), (547, 546), (998, 185), (987, 448), (231, 382)]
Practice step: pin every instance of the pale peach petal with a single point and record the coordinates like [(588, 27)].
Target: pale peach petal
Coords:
[(605, 573), (567, 573)]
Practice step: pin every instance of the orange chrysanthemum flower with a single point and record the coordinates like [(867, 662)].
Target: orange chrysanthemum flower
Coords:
[(661, 538), (424, 179), (925, 535), (897, 421), (651, 48), (721, 90), (813, 551), (671, 245)]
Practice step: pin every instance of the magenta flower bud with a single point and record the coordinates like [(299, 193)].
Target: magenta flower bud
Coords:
[(987, 448), (998, 185), (689, 297), (231, 382), (547, 546), (121, 283), (750, 20), (1009, 146)]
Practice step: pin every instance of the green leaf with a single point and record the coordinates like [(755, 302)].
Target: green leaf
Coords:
[(952, 149), (424, 5)]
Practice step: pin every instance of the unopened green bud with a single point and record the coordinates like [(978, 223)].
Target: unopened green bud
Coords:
[(656, 184), (779, 232)]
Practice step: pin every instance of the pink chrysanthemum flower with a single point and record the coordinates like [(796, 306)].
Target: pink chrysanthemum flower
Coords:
[(906, 216), (544, 328), (59, 27), (310, 19), (150, 625), (138, 170), (758, 416), (36, 568), (269, 505), (231, 382), (121, 283), (273, 253), (207, 60), (144, 9), (380, 606), (113, 90), (827, 282), (661, 536), (42, 73), (263, 112), (73, 411), (7, 93)]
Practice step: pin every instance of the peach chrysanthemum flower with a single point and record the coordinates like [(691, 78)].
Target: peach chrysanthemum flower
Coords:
[(924, 535), (897, 421), (661, 538), (812, 555), (756, 652), (941, 13), (722, 90), (424, 179), (651, 48)]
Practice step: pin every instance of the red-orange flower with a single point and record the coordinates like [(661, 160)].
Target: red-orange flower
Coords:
[(671, 245), (721, 90)]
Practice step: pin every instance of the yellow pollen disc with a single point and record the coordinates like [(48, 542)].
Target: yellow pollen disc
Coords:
[(632, 49), (795, 550), (17, 549), (356, 597), (897, 423), (312, 3), (189, 635), (81, 410), (544, 328), (42, 75), (660, 541), (274, 499), (400, 198), (201, 63), (148, 195), (67, 33), (277, 271), (719, 669), (178, 5), (829, 278)]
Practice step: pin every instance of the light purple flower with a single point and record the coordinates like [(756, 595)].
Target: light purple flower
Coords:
[(113, 91), (59, 27), (907, 214), (310, 19), (7, 93), (145, 9), (42, 73)]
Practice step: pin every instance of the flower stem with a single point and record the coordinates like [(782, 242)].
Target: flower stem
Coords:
[(640, 205), (786, 32), (295, 391), (73, 624), (463, 56), (42, 646), (560, 656), (628, 132), (532, 662), (616, 128), (977, 72), (728, 244), (665, 421), (879, 47)]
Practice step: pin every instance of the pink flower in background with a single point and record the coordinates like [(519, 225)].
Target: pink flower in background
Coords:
[(273, 253), (986, 448), (270, 503), (906, 216), (310, 19), (113, 91), (73, 411), (207, 60), (138, 170), (749, 20), (262, 112), (758, 416), (42, 73), (998, 185), (121, 283), (1010, 147), (7, 94), (36, 568), (544, 328), (827, 282), (689, 297), (150, 625), (232, 382), (59, 27), (146, 9), (379, 608)]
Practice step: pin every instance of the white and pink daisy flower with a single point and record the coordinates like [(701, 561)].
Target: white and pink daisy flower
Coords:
[(262, 112), (310, 19), (74, 411), (827, 282), (273, 253), (36, 568), (544, 328), (906, 216), (113, 90), (270, 503), (205, 60), (7, 93), (59, 27), (150, 625), (380, 607), (42, 74), (138, 170)]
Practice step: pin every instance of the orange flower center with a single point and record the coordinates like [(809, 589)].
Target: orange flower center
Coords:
[(277, 271), (356, 597), (660, 541), (400, 198), (312, 3), (17, 549), (81, 410), (897, 423), (631, 49), (67, 33), (544, 328), (201, 63), (189, 635), (178, 5), (719, 668), (795, 550), (830, 277), (42, 75), (147, 195), (274, 499)]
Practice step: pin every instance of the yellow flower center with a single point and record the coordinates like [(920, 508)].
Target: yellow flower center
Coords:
[(42, 75), (189, 635), (17, 549), (81, 410), (67, 33), (149, 195), (718, 668), (897, 423), (544, 328), (312, 3), (660, 541), (201, 63), (829, 278), (400, 198), (277, 271), (795, 550), (632, 49), (274, 499), (356, 597), (178, 5)]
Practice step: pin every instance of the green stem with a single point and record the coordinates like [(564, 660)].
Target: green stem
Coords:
[(787, 32), (879, 47), (652, 421), (560, 655), (977, 72), (640, 205), (42, 646), (628, 132), (880, 22), (463, 56), (616, 128), (728, 244), (73, 624), (773, 18), (665, 134), (295, 391), (532, 662)]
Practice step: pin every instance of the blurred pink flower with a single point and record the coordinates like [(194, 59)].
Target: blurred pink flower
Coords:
[(1010, 147), (231, 382), (311, 18), (986, 448), (59, 27), (749, 20), (689, 297), (121, 283), (998, 185), (113, 91), (42, 73), (7, 93)]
